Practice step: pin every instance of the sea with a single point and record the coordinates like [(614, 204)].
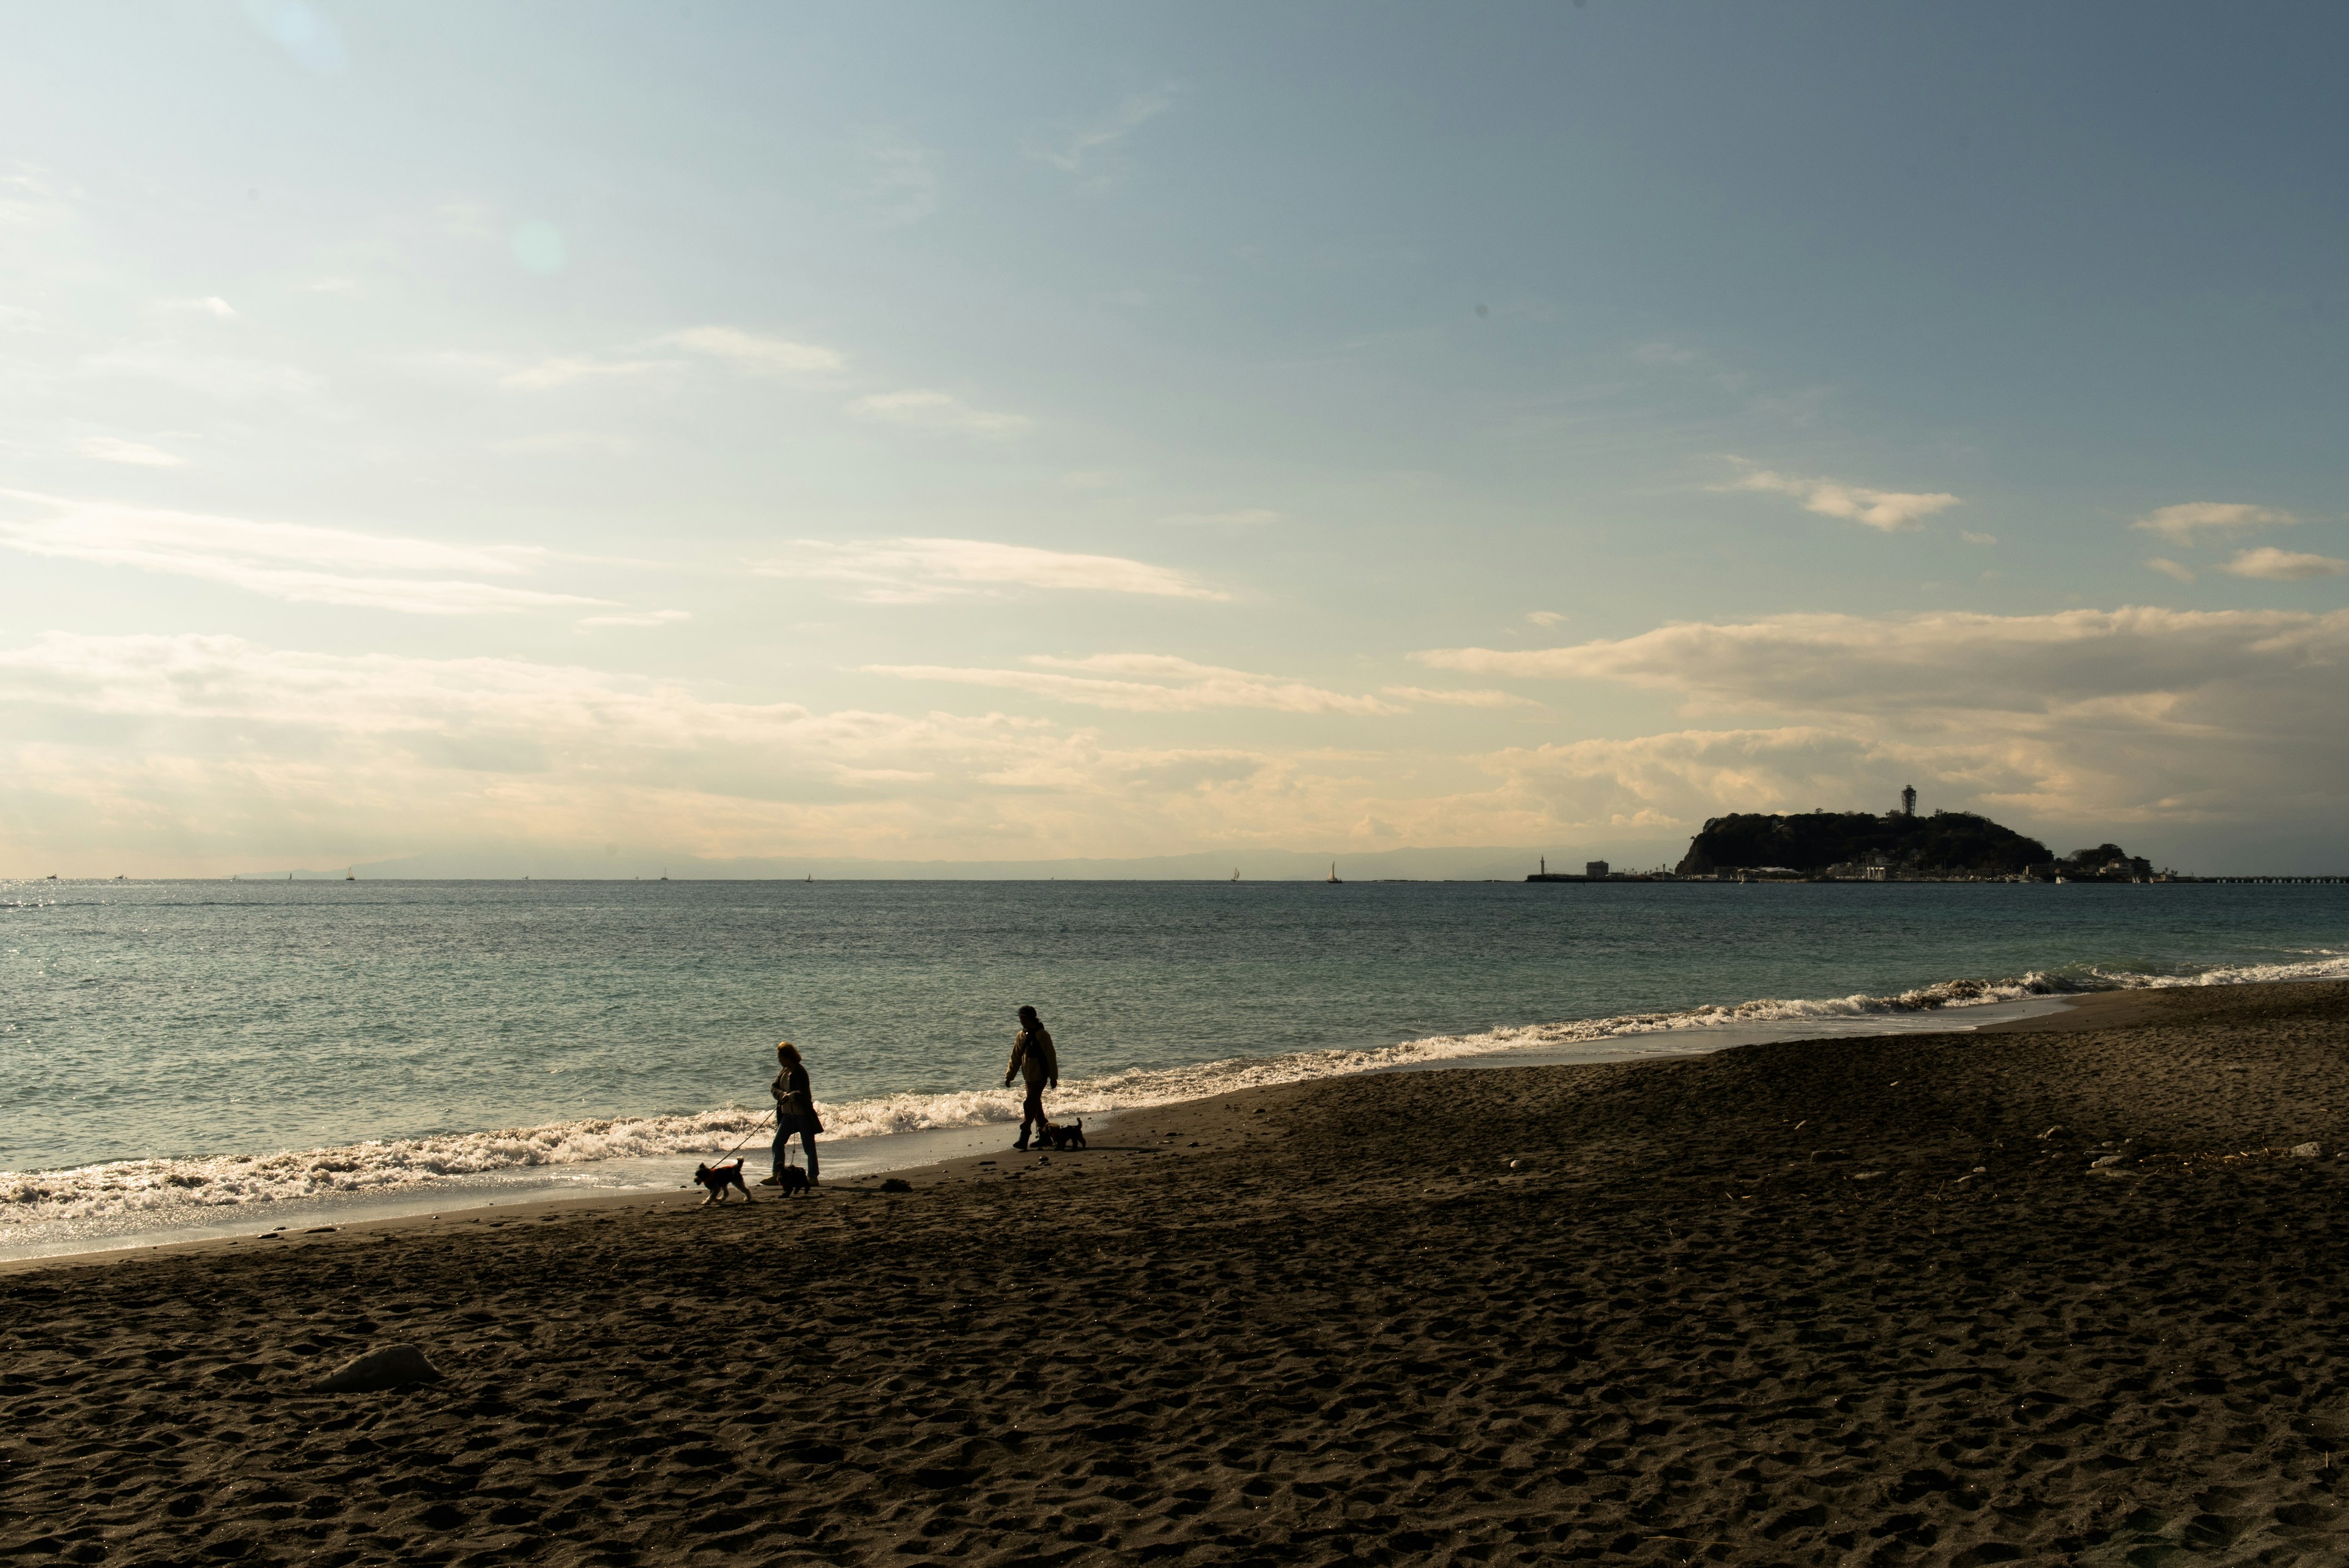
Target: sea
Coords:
[(182, 1059)]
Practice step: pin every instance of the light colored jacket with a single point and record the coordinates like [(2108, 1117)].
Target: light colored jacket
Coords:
[(1032, 1058)]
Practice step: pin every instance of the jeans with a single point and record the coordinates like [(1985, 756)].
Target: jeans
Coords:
[(784, 1127), (1031, 1109)]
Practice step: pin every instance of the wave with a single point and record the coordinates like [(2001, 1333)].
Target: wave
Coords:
[(164, 1193)]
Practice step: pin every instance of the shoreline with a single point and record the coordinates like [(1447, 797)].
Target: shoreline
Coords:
[(534, 1188), (429, 1213), (2061, 1291)]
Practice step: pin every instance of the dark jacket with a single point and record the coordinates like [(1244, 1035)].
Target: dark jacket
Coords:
[(794, 1098), (1032, 1058)]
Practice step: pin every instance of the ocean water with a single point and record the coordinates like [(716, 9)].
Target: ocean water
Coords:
[(174, 1054)]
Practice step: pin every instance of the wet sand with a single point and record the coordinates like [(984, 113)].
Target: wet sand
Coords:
[(1757, 1308)]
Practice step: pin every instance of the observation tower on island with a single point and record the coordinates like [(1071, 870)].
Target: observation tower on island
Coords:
[(1909, 800)]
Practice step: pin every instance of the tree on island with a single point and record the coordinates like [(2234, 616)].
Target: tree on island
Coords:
[(1947, 842)]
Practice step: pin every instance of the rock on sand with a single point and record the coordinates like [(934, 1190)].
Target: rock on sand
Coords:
[(393, 1366)]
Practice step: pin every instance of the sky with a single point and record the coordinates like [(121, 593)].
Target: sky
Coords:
[(572, 438)]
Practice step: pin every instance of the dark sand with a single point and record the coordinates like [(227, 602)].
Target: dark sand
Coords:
[(1737, 1309)]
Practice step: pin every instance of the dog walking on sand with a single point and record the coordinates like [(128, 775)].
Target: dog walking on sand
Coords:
[(1032, 1058), (794, 1113)]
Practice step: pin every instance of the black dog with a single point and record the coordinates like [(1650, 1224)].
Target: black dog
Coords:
[(1065, 1138), (717, 1178), (792, 1179)]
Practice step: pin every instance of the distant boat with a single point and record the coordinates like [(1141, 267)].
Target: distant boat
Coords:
[(352, 875), (811, 876), (1334, 878), (1236, 873)]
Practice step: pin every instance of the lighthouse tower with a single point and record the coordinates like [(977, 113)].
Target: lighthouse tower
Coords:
[(1909, 800)]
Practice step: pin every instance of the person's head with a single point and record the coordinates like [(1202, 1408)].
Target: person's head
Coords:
[(1028, 1019), (788, 1054)]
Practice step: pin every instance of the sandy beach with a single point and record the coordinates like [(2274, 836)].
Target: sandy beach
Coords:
[(1846, 1301)]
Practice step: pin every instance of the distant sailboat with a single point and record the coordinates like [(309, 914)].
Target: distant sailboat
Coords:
[(1334, 878), (351, 874), (1236, 873)]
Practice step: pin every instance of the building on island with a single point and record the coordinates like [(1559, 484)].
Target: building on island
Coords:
[(1909, 800), (1594, 869)]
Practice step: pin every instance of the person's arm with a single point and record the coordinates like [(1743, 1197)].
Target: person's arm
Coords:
[(1018, 1046), (1051, 1061)]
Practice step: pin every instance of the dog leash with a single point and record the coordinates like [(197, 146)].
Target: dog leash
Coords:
[(762, 1121)]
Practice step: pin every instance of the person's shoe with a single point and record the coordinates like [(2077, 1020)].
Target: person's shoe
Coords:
[(773, 1181), (1022, 1144)]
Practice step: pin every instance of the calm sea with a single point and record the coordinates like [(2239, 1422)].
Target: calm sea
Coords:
[(176, 1053)]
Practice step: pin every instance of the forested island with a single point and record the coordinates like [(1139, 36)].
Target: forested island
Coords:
[(1896, 845)]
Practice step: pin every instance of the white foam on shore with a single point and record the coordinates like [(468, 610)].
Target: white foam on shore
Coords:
[(162, 1194)]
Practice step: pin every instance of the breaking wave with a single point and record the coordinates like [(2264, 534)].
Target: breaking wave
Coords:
[(164, 1193)]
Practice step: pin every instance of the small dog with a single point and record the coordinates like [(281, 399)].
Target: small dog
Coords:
[(791, 1178), (717, 1178), (1065, 1138)]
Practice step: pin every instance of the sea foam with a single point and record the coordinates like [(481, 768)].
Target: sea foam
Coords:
[(162, 1193)]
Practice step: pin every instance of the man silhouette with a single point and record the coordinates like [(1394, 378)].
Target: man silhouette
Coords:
[(1032, 1058)]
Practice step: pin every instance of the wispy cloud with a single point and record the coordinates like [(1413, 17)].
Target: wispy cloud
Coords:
[(754, 355), (1093, 152), (288, 561), (1460, 698), (639, 618), (1146, 683), (921, 571), (1546, 618), (2275, 566), (110, 449), (2187, 523), (564, 443), (901, 176), (2173, 569), (1971, 537), (212, 374), (1889, 510), (1238, 518), (922, 409), (210, 305)]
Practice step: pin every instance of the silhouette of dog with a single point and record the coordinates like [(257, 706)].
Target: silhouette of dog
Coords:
[(717, 1178), (790, 1179), (1071, 1136)]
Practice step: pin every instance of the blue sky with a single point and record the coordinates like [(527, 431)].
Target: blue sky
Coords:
[(577, 436)]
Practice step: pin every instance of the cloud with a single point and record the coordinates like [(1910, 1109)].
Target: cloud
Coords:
[(1546, 618), (1093, 152), (209, 375), (2275, 566), (2170, 568), (901, 183), (109, 448), (2132, 714), (210, 305), (1146, 683), (1889, 510), (293, 562), (2183, 525), (639, 618), (1460, 698), (753, 355), (921, 571), (923, 410), (1971, 537)]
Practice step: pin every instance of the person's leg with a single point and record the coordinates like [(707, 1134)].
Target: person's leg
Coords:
[(783, 1136), (1031, 1109), (807, 1142)]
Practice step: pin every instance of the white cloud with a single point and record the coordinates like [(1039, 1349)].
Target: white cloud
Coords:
[(210, 305), (754, 355), (18, 319), (1091, 152), (2170, 568), (919, 571), (639, 618), (294, 562), (209, 375), (921, 409), (2276, 566), (1971, 537), (1146, 683), (1546, 618), (901, 184), (1889, 510), (109, 449), (2183, 525), (1460, 697)]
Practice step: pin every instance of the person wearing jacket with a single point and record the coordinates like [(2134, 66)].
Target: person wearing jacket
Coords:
[(795, 1111), (1032, 1058)]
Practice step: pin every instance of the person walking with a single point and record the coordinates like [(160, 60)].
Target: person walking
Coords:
[(795, 1111), (1032, 1058)]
